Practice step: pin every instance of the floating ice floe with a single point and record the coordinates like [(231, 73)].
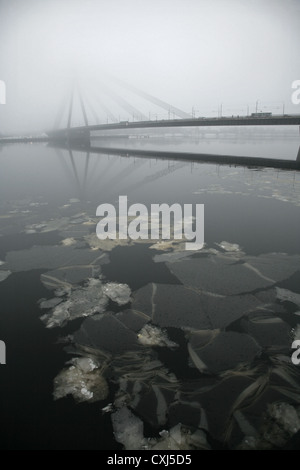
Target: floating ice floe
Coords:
[(108, 408), (149, 390), (181, 438), (48, 226), (286, 416), (169, 245), (151, 335), (172, 245), (296, 332), (287, 295), (50, 303), (73, 226), (266, 186), (81, 302), (83, 379), (4, 275), (229, 247), (68, 241), (281, 422), (106, 245), (129, 431), (38, 204), (119, 293)]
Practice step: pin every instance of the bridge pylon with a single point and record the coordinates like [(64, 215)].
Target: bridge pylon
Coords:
[(78, 137)]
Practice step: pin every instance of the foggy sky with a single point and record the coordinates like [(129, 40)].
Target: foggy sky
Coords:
[(190, 53)]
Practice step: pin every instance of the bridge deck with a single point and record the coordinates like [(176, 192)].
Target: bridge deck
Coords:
[(286, 120)]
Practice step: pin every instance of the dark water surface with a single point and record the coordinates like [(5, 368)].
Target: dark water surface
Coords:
[(221, 321)]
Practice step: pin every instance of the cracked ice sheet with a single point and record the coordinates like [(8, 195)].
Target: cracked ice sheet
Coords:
[(51, 257), (218, 274), (268, 330), (219, 351), (133, 319), (107, 333), (83, 380), (276, 266), (182, 307), (225, 275)]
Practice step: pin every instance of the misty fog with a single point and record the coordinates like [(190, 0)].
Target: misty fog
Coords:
[(197, 55)]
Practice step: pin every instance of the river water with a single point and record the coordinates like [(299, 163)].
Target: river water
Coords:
[(136, 344)]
